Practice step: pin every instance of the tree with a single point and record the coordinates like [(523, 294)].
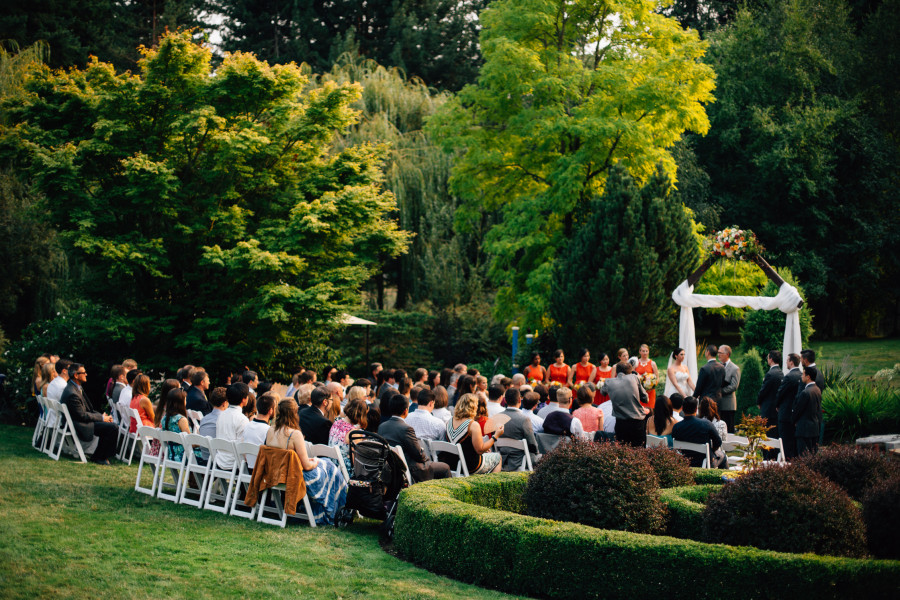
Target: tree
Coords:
[(435, 40), (209, 209), (612, 283), (763, 330), (568, 89), (752, 373)]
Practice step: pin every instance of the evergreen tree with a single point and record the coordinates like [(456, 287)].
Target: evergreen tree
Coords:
[(752, 372), (612, 284)]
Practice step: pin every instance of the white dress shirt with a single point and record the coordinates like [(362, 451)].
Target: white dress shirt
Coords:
[(537, 423), (255, 433), (55, 388), (494, 408), (426, 425), (230, 426), (443, 414), (609, 421)]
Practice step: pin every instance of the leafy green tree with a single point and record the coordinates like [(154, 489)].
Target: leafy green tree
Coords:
[(435, 40), (612, 284), (210, 209), (568, 89), (763, 330)]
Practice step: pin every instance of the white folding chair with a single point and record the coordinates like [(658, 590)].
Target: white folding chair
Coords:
[(195, 416), (146, 435), (699, 448), (242, 481), (656, 441), (113, 411), (280, 519), (399, 452), (51, 428), (776, 444), (123, 418), (548, 442), (438, 446), (323, 451), (37, 438), (503, 442), (130, 439), (217, 478), (69, 437), (173, 466), (193, 469)]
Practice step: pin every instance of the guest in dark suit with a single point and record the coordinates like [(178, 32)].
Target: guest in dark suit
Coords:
[(196, 394), (807, 413), (313, 423), (784, 400), (518, 427), (767, 399), (711, 377), (86, 420), (699, 431), (398, 433)]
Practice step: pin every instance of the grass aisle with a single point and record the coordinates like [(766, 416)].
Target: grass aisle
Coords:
[(69, 530)]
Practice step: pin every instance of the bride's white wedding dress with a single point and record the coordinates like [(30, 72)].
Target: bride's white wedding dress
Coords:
[(681, 377)]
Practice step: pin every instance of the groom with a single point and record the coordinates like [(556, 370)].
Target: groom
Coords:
[(711, 377)]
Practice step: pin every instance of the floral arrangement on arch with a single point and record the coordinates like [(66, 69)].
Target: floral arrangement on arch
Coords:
[(649, 380), (735, 243)]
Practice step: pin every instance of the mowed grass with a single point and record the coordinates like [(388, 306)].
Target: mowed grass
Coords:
[(69, 530)]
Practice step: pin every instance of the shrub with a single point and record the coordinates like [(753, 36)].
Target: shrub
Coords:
[(857, 410), (672, 469), (704, 476), (854, 468), (438, 527), (602, 485), (685, 509), (881, 513), (789, 509), (752, 373)]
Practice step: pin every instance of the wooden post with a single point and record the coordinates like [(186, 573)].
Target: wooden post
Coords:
[(770, 273), (694, 277)]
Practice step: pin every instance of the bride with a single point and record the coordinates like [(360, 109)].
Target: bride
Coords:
[(678, 378)]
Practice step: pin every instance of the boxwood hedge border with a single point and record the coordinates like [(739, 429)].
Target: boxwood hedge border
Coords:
[(468, 529)]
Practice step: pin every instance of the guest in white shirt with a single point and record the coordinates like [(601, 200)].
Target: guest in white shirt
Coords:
[(208, 422), (495, 394), (127, 392), (529, 401), (258, 428), (609, 420), (58, 384), (552, 403), (441, 400), (423, 422), (231, 424)]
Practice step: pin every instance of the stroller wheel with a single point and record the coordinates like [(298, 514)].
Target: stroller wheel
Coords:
[(387, 528)]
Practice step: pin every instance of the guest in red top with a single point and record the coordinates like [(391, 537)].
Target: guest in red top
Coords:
[(583, 371), (140, 401), (590, 416), (644, 366), (535, 371), (604, 372), (559, 370)]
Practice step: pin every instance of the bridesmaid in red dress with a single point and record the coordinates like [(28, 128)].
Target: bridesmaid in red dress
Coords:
[(645, 365), (583, 371), (559, 370), (604, 372), (535, 371)]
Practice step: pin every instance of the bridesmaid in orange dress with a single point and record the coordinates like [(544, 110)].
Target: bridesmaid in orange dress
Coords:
[(559, 370), (604, 372), (535, 371), (583, 371), (645, 365)]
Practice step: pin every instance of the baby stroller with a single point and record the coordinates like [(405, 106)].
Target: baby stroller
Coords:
[(378, 477)]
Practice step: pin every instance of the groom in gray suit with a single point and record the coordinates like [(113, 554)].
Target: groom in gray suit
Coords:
[(728, 404)]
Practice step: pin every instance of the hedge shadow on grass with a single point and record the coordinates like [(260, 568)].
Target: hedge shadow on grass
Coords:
[(463, 528)]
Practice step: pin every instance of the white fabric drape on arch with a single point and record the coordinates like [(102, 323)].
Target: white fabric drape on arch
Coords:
[(786, 301)]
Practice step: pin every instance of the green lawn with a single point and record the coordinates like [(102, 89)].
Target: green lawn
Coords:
[(70, 530)]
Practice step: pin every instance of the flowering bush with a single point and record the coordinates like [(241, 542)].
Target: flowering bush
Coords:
[(735, 243)]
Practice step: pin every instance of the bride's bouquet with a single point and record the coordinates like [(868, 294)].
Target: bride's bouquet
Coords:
[(735, 243), (649, 380)]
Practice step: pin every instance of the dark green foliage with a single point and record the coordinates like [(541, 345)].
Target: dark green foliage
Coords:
[(685, 509), (705, 476), (853, 468), (438, 528), (860, 409), (435, 40), (787, 509), (763, 330), (601, 485), (672, 469), (752, 372), (881, 513), (612, 283)]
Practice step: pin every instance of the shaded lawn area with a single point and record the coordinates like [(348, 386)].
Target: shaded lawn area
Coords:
[(69, 530)]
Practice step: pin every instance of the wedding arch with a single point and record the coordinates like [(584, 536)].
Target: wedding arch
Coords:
[(787, 301)]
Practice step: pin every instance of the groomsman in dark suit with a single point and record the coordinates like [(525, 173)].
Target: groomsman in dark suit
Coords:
[(784, 400), (808, 359), (807, 413), (711, 377), (86, 420), (767, 399)]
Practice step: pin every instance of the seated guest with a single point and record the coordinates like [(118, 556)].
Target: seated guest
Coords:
[(423, 421), (264, 386), (141, 403), (295, 383), (398, 433), (709, 410), (249, 409), (56, 386), (462, 429), (251, 379), (117, 374), (551, 404), (196, 394), (676, 400), (543, 393), (160, 408), (314, 422), (518, 427), (561, 421), (232, 423), (302, 396), (481, 415), (128, 392), (175, 419), (258, 428), (441, 400), (698, 431), (356, 393), (207, 427), (529, 402), (88, 422), (325, 484), (590, 416), (662, 421), (184, 376), (495, 394), (355, 417)]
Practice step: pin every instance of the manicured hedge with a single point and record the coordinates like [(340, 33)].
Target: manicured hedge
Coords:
[(453, 527), (686, 506)]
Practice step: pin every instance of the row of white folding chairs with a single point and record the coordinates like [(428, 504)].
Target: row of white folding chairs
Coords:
[(433, 447), (214, 484), (55, 432)]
